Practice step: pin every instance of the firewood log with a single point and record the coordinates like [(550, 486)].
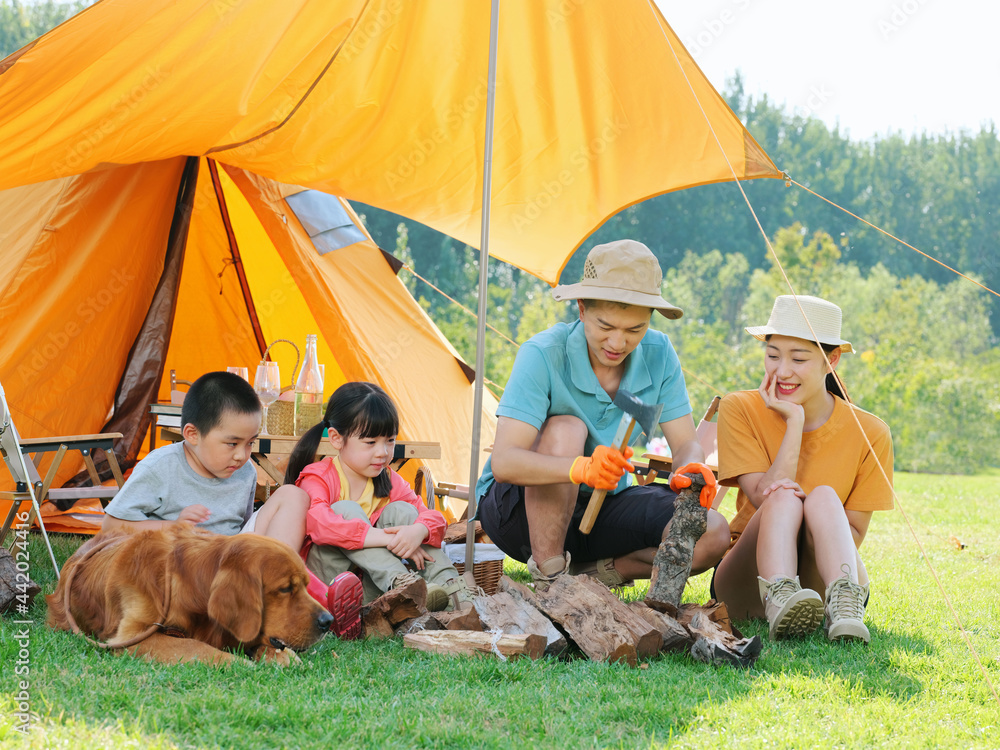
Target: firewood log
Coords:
[(382, 615), (505, 612), (470, 643), (672, 563)]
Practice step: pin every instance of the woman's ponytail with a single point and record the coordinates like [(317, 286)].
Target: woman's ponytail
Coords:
[(833, 382)]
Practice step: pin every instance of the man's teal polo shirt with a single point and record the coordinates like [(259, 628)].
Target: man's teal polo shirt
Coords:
[(552, 376)]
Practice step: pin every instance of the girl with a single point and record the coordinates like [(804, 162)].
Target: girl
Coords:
[(361, 512), (808, 482)]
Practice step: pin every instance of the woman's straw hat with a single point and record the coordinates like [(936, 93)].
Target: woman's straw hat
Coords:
[(623, 271), (787, 320)]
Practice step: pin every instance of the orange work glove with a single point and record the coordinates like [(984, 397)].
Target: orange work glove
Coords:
[(603, 469), (680, 482)]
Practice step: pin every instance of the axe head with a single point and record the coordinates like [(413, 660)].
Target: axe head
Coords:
[(645, 415)]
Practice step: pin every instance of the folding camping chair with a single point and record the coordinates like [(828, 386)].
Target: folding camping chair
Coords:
[(21, 456), (25, 480)]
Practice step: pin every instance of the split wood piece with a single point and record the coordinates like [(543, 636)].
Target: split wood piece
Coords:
[(676, 637), (713, 645), (466, 619), (418, 625), (645, 641), (382, 615), (599, 623), (717, 612), (470, 643), (672, 563), (518, 590), (504, 612), (714, 639), (15, 586)]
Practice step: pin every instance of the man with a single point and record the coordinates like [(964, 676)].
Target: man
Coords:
[(556, 423)]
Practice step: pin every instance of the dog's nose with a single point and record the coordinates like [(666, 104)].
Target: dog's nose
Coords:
[(324, 621)]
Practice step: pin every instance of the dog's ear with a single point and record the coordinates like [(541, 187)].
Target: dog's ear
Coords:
[(236, 599)]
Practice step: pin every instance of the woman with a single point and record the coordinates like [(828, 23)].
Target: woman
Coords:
[(808, 481)]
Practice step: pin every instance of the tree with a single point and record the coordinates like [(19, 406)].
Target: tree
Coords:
[(20, 22)]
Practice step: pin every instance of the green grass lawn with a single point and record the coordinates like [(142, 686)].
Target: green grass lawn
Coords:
[(917, 685)]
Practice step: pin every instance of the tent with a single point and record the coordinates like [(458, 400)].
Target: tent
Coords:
[(598, 106), (117, 276)]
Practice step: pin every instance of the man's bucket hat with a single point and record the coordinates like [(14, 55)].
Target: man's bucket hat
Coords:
[(623, 271)]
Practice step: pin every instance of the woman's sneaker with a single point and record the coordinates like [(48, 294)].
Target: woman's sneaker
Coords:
[(791, 610), (344, 602), (845, 610)]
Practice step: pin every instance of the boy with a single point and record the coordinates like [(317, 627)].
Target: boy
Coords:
[(207, 479)]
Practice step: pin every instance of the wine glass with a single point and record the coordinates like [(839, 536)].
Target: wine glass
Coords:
[(241, 371), (267, 383)]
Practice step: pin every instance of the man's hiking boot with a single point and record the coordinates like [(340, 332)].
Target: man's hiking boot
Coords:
[(545, 572), (845, 610), (791, 610), (603, 570)]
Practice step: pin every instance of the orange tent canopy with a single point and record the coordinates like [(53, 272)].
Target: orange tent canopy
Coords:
[(598, 106)]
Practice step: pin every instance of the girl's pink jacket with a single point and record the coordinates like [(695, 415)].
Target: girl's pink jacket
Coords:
[(321, 482)]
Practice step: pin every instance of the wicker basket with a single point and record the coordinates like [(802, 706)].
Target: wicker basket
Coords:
[(487, 574), (281, 414)]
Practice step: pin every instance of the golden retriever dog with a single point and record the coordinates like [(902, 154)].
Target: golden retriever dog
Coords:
[(181, 594)]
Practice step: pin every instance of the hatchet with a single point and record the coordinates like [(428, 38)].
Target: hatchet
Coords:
[(636, 411)]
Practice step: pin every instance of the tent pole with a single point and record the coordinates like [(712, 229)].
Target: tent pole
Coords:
[(484, 258)]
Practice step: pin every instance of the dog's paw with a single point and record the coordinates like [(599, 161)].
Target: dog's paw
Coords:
[(282, 657)]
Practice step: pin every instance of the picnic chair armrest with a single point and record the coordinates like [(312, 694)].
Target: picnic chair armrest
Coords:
[(712, 409)]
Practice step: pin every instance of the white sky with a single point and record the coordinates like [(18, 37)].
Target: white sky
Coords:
[(873, 66)]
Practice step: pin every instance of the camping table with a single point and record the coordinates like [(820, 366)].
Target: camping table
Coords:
[(164, 415), (282, 445)]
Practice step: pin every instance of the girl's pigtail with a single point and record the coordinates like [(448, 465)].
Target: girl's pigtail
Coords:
[(304, 452), (382, 483)]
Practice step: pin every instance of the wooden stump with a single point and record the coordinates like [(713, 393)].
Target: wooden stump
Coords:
[(17, 590), (672, 563), (472, 643), (504, 612), (381, 616)]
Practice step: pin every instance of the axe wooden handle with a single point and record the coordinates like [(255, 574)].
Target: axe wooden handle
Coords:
[(597, 497)]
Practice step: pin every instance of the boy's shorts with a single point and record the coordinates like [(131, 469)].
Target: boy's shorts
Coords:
[(249, 526), (629, 520)]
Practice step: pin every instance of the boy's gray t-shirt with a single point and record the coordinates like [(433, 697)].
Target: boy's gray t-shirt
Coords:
[(163, 484)]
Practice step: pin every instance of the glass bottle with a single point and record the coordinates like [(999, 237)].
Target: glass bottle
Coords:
[(308, 390)]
